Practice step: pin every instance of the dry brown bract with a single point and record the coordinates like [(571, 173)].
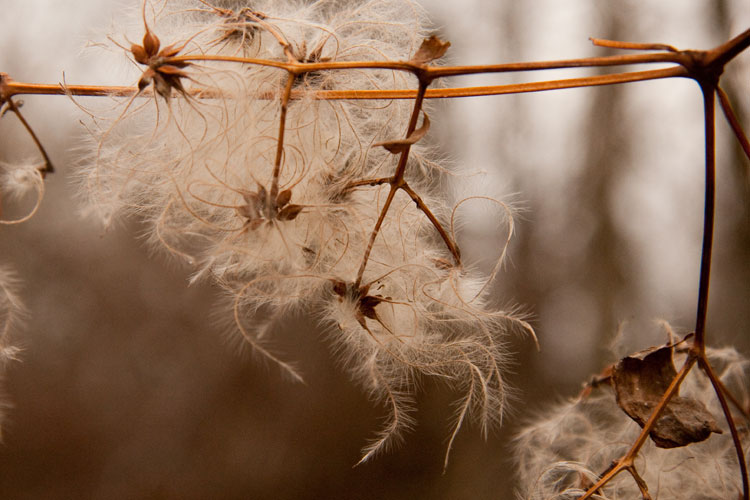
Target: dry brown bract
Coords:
[(365, 303), (260, 207)]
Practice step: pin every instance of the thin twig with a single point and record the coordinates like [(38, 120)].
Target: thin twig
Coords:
[(705, 68), (708, 88), (47, 168), (20, 88), (440, 229), (615, 44), (280, 142), (396, 183), (726, 106), (719, 389), (642, 486)]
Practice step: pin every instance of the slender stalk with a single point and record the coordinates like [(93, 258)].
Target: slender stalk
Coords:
[(369, 182), (719, 389), (374, 234), (19, 88), (708, 88), (642, 486), (396, 182), (733, 399), (280, 142), (703, 69), (616, 44), (443, 233), (721, 55), (442, 71), (48, 168), (726, 106)]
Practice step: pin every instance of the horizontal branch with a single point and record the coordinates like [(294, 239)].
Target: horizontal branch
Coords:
[(18, 88), (433, 72)]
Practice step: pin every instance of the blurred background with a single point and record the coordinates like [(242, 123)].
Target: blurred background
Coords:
[(127, 389)]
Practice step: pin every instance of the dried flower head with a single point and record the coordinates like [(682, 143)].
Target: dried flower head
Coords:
[(289, 202)]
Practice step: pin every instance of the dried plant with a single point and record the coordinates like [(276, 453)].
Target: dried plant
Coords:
[(279, 149), (562, 454)]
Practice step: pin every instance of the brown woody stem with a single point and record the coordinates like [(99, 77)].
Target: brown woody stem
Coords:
[(705, 68), (443, 233), (433, 72), (708, 88), (396, 182), (719, 389), (642, 486), (280, 142), (616, 44), (726, 106), (369, 182), (18, 88), (48, 168), (733, 399)]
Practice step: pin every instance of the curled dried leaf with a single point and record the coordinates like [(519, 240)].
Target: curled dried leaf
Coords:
[(401, 145), (432, 48), (641, 380)]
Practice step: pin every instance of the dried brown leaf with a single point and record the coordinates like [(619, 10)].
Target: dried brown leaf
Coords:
[(432, 48), (640, 380), (401, 145)]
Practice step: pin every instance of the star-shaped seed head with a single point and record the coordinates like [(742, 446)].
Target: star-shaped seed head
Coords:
[(163, 73)]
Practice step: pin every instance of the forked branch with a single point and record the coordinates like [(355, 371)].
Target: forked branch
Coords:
[(705, 68)]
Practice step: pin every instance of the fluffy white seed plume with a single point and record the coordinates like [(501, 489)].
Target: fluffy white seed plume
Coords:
[(277, 201), (16, 182), (563, 452), (11, 313)]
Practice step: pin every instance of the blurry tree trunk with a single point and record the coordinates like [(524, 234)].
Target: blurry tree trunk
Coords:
[(599, 271), (730, 314), (605, 267)]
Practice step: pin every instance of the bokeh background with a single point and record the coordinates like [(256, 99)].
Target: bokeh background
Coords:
[(128, 389)]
